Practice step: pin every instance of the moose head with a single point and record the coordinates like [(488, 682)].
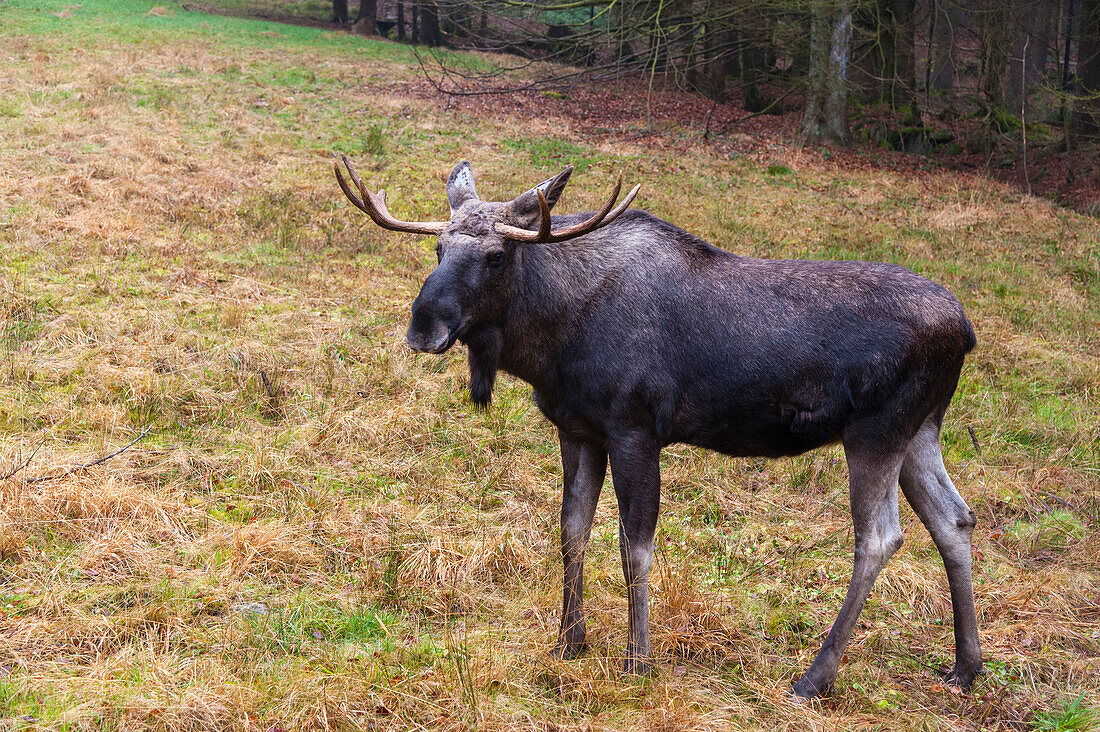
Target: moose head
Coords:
[(466, 296)]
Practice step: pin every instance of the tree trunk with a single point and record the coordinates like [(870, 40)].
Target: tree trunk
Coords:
[(454, 18), (872, 51), (819, 55), (826, 115), (800, 54), (400, 20), (731, 65), (949, 19), (1087, 113), (339, 11), (751, 62), (997, 25), (706, 65), (1034, 36), (367, 19), (884, 56), (836, 80), (884, 65), (903, 77), (429, 24), (1042, 41)]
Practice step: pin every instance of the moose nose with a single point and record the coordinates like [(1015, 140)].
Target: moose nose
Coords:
[(435, 318), (435, 342)]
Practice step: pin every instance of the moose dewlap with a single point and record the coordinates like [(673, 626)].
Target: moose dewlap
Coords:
[(635, 334)]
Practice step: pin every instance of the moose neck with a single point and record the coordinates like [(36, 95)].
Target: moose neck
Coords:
[(552, 284)]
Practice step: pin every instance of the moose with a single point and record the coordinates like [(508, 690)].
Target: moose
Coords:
[(635, 334)]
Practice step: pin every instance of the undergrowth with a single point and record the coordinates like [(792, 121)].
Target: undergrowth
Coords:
[(317, 530)]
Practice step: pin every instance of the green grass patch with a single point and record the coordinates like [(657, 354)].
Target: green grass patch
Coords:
[(1068, 716), (548, 152)]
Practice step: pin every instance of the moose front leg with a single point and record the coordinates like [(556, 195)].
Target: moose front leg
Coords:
[(636, 475), (584, 467)]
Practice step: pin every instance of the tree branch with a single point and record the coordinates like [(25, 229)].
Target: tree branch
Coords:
[(85, 466), (26, 462)]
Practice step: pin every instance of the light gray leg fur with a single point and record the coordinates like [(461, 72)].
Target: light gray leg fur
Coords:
[(950, 521), (873, 494)]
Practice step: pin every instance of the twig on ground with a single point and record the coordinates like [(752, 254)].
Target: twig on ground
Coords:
[(97, 461), (267, 385), (1067, 504), (974, 439), (26, 462)]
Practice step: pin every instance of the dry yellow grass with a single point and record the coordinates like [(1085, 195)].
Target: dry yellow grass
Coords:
[(318, 532)]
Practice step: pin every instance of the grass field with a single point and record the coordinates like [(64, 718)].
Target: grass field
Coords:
[(317, 531)]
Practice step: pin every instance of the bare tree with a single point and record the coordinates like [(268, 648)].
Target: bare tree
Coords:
[(826, 115), (1034, 38), (1087, 113), (946, 22), (366, 22), (339, 11)]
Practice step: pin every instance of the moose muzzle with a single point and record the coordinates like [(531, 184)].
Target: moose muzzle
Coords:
[(436, 317)]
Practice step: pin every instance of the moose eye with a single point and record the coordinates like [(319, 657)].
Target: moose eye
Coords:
[(494, 258)]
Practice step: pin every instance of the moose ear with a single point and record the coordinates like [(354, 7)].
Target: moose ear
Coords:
[(460, 186), (525, 207)]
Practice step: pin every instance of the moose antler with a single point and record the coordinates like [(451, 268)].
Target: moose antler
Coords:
[(544, 235), (374, 205)]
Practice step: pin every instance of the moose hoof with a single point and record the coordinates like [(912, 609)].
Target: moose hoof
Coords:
[(568, 650), (963, 675), (805, 689), (636, 666)]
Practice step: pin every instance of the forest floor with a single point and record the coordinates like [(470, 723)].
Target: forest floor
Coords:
[(313, 529), (958, 139)]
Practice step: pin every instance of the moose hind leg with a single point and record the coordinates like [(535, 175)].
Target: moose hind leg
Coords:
[(941, 509), (584, 467), (873, 494), (635, 473)]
